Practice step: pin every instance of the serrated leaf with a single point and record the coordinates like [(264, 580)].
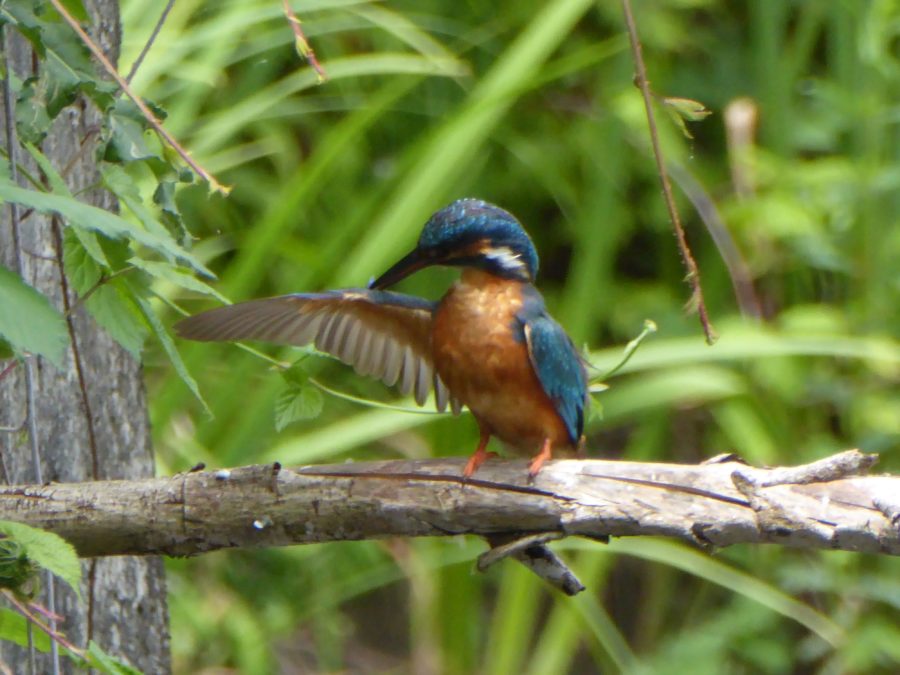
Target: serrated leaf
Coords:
[(58, 186), (14, 628), (297, 402), (82, 269), (117, 181), (98, 220), (119, 315), (48, 550), (28, 321), (104, 663), (177, 276), (168, 344), (126, 140)]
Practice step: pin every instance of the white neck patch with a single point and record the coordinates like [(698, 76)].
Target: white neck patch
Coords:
[(505, 256)]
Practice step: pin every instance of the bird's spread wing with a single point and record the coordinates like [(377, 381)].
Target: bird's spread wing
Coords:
[(381, 334), (559, 368)]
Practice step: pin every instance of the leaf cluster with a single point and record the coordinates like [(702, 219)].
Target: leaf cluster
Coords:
[(24, 553), (112, 260)]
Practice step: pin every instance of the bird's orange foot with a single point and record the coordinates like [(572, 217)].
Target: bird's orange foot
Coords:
[(476, 460), (538, 461), (478, 457)]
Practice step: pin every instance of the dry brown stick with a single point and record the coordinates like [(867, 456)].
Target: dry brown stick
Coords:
[(826, 504), (693, 272), (145, 111)]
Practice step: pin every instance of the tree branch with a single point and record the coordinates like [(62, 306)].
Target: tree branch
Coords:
[(826, 504)]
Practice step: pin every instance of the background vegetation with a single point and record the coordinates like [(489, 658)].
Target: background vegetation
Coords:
[(531, 105)]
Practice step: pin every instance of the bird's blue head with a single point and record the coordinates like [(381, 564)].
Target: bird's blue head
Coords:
[(470, 233)]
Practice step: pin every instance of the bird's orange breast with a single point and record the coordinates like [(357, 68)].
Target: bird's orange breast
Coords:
[(484, 365)]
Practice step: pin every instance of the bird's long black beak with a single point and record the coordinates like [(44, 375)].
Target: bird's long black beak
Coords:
[(411, 262)]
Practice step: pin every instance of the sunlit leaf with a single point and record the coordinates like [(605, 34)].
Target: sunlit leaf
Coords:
[(177, 276), (14, 628), (297, 402), (81, 267), (48, 550), (99, 220), (28, 321), (112, 308)]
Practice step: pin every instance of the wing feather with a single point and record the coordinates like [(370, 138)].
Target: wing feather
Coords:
[(560, 370), (381, 334)]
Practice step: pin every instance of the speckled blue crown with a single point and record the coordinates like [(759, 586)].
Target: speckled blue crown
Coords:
[(470, 220)]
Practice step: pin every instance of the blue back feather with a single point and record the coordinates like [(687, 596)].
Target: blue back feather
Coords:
[(557, 364)]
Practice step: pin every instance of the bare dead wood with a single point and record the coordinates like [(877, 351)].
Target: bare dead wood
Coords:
[(826, 504)]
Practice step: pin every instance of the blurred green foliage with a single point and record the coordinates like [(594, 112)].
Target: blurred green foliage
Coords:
[(531, 105)]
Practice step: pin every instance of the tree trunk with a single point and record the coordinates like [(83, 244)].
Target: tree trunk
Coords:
[(95, 401)]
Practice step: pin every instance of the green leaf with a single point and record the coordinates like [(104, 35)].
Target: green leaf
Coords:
[(116, 311), (169, 346), (177, 276), (28, 321), (14, 628), (297, 402), (6, 351), (127, 142), (104, 663), (66, 71), (48, 550), (96, 219), (681, 109), (76, 9), (164, 198), (689, 109), (32, 118), (123, 186), (81, 267)]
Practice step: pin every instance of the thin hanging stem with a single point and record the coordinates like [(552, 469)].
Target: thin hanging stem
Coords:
[(693, 272)]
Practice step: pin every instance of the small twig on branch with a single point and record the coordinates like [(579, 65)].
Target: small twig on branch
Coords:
[(820, 505), (693, 272), (145, 111)]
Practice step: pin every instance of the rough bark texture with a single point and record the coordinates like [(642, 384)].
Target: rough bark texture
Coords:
[(96, 433), (820, 505)]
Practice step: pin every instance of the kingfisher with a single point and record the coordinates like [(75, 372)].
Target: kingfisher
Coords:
[(489, 344)]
